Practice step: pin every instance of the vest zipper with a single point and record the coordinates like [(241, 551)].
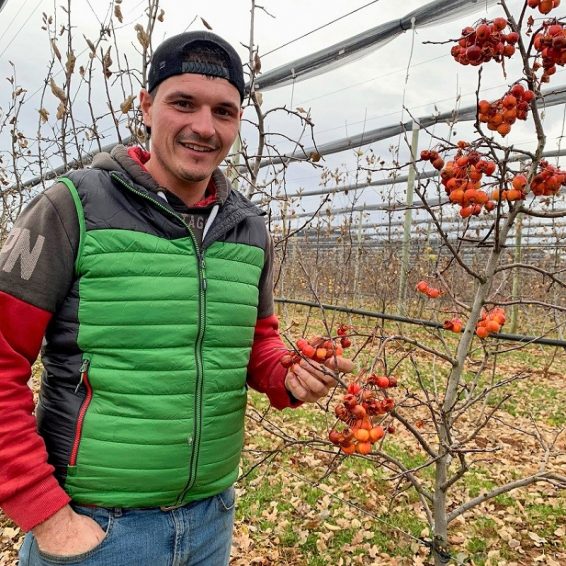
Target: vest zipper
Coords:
[(82, 411), (194, 441)]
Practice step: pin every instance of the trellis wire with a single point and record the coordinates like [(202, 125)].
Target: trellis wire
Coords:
[(421, 322)]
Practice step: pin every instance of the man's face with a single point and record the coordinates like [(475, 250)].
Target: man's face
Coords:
[(194, 120)]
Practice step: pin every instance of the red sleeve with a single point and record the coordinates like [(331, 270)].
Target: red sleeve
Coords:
[(265, 372), (29, 493)]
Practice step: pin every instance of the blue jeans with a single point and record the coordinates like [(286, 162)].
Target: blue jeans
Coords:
[(199, 533)]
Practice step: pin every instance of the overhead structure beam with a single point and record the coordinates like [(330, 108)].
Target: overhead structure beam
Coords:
[(389, 181), (362, 44), (551, 98)]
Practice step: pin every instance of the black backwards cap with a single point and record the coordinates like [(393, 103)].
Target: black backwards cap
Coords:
[(198, 52)]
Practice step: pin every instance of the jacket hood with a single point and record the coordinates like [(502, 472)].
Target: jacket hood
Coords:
[(120, 160)]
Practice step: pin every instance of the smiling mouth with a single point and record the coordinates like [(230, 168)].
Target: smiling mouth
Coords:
[(199, 148)]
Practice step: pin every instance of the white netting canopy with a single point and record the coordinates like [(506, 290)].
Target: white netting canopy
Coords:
[(364, 43)]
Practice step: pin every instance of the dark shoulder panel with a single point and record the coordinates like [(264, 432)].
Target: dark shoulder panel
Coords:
[(37, 259), (111, 200)]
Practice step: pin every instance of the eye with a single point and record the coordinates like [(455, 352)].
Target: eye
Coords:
[(182, 104), (225, 112)]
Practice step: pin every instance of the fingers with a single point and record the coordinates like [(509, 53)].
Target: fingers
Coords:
[(309, 380), (296, 388), (341, 364)]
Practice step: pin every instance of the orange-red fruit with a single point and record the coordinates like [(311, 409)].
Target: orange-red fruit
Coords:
[(500, 23), (482, 332), (509, 50), (376, 433), (354, 388), (358, 412), (321, 354), (363, 447), (334, 436), (456, 196), (490, 168), (382, 381), (484, 106), (518, 90), (308, 350), (434, 293), (519, 182), (514, 194), (492, 326), (483, 32), (349, 448), (503, 129), (509, 101), (438, 163), (466, 211), (545, 6), (455, 325), (362, 435)]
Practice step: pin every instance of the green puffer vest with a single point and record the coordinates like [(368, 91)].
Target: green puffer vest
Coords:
[(165, 331)]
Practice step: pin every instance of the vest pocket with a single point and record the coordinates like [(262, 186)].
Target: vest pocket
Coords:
[(84, 381)]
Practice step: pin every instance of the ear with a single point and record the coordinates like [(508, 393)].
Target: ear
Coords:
[(146, 101)]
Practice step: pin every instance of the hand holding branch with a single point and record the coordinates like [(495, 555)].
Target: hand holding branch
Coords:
[(309, 381)]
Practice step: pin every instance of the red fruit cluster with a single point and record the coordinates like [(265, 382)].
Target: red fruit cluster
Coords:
[(434, 157), (490, 322), (455, 325), (382, 382), (548, 180), (357, 409), (551, 44), (316, 348), (462, 177), (342, 331), (517, 191), (544, 6), (505, 111), (485, 42), (426, 289)]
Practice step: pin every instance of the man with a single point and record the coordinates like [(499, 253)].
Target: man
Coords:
[(149, 279)]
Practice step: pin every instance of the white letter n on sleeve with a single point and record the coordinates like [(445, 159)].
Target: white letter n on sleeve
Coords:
[(18, 245)]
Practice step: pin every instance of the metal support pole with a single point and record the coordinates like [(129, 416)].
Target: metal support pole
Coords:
[(358, 258), (404, 270), (236, 151), (516, 286)]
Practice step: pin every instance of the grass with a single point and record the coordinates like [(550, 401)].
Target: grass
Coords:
[(362, 513), (308, 507), (546, 518), (478, 482)]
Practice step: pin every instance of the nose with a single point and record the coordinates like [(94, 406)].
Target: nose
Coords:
[(203, 123)]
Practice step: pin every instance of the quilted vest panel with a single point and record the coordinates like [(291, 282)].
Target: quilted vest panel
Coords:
[(166, 340)]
